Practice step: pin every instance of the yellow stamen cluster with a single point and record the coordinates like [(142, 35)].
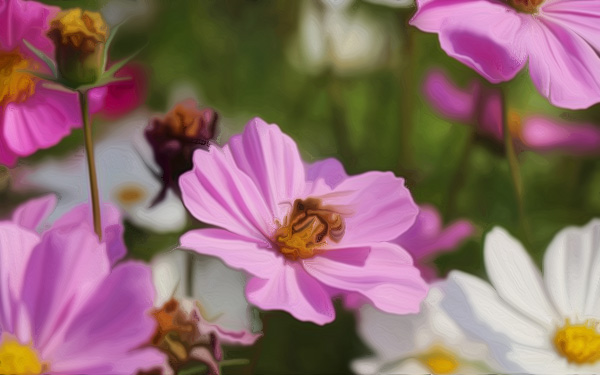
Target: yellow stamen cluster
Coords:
[(81, 29), (18, 359), (526, 6), (15, 84), (578, 343), (307, 228), (440, 361)]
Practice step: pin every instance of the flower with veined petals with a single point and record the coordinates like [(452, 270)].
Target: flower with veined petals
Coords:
[(35, 114), (303, 234), (531, 324), (559, 39), (425, 343), (481, 107), (122, 160), (65, 308)]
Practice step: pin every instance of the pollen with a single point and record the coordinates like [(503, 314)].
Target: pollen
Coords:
[(17, 359), (578, 343), (81, 29), (307, 228), (16, 85), (130, 194), (440, 361), (526, 6)]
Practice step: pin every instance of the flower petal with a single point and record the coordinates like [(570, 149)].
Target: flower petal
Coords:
[(516, 278), (237, 251), (25, 20), (169, 275), (563, 66), (292, 290), (272, 160), (488, 43), (448, 100), (329, 170), (387, 278), (41, 121), (33, 213), (544, 134), (581, 16), (106, 335)]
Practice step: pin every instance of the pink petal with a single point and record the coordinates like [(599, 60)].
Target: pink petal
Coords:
[(428, 237), (563, 66), (581, 16), (368, 217), (544, 134), (64, 269), (388, 278), (331, 171), (112, 228), (41, 121), (107, 335), (118, 98), (237, 251), (272, 161), (217, 192), (27, 20), (295, 291), (230, 337), (34, 212), (490, 117), (16, 246), (7, 156), (484, 35), (450, 101)]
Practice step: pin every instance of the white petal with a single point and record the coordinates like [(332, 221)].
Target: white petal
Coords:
[(516, 278), (170, 274)]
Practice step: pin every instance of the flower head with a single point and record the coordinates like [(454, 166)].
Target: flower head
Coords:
[(66, 310), (304, 233), (175, 137), (558, 39), (481, 107), (533, 324)]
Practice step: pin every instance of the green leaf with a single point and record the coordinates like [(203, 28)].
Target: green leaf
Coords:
[(118, 65), (46, 77), (42, 56)]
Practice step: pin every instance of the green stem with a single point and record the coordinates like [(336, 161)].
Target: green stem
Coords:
[(460, 174), (89, 151), (515, 171)]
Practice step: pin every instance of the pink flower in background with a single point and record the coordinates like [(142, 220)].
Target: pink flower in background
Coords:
[(305, 234), (427, 238), (35, 114), (481, 107), (64, 308), (560, 40)]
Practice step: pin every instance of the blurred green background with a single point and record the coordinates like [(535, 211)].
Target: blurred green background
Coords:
[(238, 56)]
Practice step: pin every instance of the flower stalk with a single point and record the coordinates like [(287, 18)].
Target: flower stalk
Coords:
[(89, 152)]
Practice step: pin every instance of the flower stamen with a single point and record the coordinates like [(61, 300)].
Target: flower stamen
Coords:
[(17, 359), (578, 343), (15, 84)]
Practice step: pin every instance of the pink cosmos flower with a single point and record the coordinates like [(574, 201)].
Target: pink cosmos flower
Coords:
[(481, 107), (304, 233), (35, 114), (560, 40), (64, 308)]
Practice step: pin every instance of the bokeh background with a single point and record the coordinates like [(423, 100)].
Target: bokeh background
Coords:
[(263, 58)]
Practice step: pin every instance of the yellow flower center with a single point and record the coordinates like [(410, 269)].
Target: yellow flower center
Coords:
[(15, 84), (130, 194), (81, 29), (578, 343), (526, 6), (17, 359), (306, 229), (440, 361)]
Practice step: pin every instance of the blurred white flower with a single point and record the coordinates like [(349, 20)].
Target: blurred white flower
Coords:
[(535, 325), (190, 277), (333, 34), (428, 342), (123, 158)]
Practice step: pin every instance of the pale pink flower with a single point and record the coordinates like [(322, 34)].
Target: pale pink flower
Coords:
[(64, 308), (559, 39), (35, 114), (305, 233), (481, 107)]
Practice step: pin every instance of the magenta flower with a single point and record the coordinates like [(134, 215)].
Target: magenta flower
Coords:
[(559, 38), (481, 107), (305, 234), (64, 308), (35, 114)]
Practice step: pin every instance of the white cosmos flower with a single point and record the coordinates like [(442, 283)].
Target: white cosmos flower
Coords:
[(532, 324), (188, 276), (424, 343), (332, 34), (122, 159)]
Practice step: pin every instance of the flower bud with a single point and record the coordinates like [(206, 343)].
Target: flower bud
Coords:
[(80, 38), (175, 137)]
